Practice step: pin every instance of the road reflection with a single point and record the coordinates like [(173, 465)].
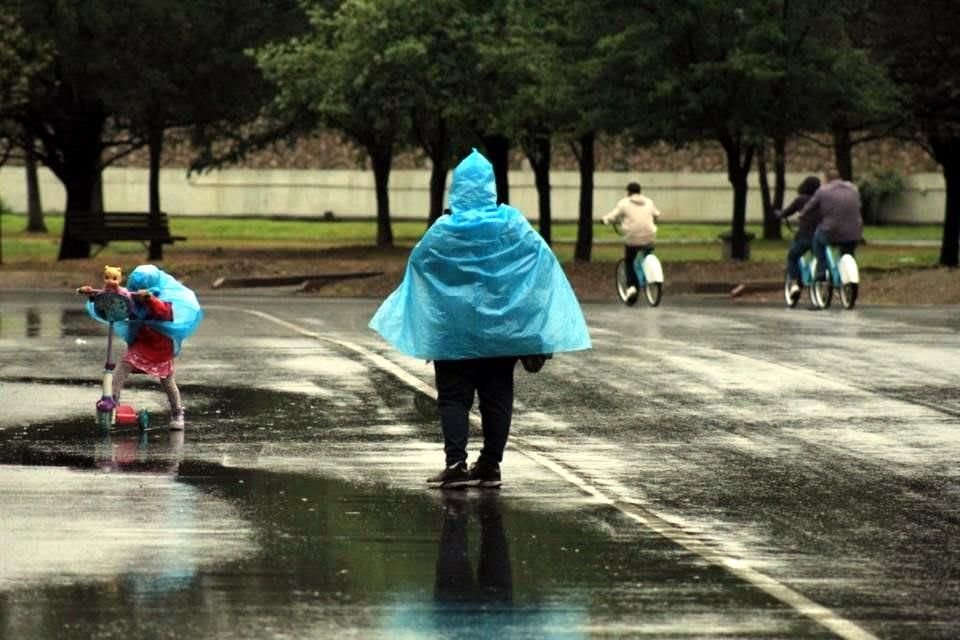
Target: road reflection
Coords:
[(172, 568), (473, 588), (133, 451), (456, 582), (271, 520)]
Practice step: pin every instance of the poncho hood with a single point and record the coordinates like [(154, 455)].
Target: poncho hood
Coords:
[(473, 187), (187, 313)]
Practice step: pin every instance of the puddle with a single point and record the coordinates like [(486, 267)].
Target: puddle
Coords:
[(239, 530)]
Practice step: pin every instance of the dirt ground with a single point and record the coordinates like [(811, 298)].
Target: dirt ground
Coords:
[(591, 281)]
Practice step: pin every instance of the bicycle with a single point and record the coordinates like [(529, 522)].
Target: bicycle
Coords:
[(649, 276), (842, 274)]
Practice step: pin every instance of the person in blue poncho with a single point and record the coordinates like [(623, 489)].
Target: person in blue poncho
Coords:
[(165, 313), (481, 290)]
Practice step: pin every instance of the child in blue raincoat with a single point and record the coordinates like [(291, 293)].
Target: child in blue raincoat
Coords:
[(481, 290), (165, 313)]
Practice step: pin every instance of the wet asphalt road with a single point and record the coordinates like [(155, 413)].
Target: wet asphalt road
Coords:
[(707, 470)]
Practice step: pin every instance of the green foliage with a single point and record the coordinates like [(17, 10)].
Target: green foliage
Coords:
[(875, 189), (707, 68), (154, 64), (340, 74), (921, 48), (21, 57)]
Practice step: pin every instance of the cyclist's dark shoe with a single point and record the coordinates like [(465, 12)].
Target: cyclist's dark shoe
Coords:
[(453, 477), (485, 475)]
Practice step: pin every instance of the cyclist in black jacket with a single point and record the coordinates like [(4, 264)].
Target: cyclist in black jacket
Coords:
[(803, 238)]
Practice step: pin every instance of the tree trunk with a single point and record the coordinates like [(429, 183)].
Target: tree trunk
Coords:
[(35, 222), (739, 157), (779, 171), (951, 219), (79, 186), (96, 199), (498, 152), (382, 158), (439, 152), (538, 153), (438, 188), (155, 147), (843, 151), (71, 149), (946, 151), (587, 163), (771, 223)]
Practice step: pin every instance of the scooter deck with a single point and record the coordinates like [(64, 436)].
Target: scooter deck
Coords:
[(126, 416)]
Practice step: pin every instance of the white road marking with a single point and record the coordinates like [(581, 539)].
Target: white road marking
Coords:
[(633, 509)]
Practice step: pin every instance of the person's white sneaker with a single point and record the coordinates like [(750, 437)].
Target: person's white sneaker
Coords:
[(176, 421), (631, 292), (794, 289)]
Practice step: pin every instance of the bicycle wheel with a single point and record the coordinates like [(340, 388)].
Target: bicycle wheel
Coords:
[(652, 278), (821, 293), (848, 294), (791, 299), (621, 283), (652, 292)]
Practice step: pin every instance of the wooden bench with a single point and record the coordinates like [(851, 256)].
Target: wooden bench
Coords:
[(153, 231)]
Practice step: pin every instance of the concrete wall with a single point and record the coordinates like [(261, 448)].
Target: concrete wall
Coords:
[(682, 197)]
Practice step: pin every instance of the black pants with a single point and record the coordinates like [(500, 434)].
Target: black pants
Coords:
[(801, 244), (491, 379), (629, 255)]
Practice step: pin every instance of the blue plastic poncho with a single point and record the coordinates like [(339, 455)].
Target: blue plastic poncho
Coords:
[(187, 313), (481, 283)]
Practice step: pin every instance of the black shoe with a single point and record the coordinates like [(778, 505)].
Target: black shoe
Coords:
[(483, 474), (453, 477)]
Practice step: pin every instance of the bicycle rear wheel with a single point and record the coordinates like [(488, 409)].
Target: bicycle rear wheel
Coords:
[(621, 284), (821, 293), (652, 292), (848, 294)]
